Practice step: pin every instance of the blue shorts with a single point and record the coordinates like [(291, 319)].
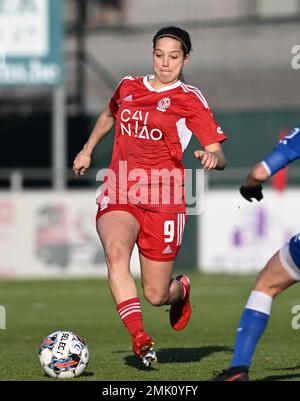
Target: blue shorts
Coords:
[(294, 246), (289, 256)]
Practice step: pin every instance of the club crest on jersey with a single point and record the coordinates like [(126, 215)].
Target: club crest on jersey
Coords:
[(163, 104)]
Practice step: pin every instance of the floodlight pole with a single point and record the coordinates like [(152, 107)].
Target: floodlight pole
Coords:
[(59, 164)]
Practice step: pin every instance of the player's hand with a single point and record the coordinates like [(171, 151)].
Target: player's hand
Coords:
[(254, 192), (81, 163), (208, 160)]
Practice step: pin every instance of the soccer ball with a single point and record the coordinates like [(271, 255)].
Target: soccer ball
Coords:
[(63, 354)]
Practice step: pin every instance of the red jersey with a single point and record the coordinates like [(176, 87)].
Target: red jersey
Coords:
[(152, 130)]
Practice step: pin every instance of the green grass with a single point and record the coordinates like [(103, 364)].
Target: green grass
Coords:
[(36, 308)]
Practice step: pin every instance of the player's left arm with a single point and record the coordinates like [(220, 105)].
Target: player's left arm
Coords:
[(212, 157)]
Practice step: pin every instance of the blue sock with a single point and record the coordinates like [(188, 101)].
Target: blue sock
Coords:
[(251, 327)]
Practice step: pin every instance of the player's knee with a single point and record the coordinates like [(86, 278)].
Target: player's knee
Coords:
[(154, 298), (115, 254)]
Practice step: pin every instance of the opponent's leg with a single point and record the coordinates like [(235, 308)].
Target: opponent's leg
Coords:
[(280, 273), (118, 231)]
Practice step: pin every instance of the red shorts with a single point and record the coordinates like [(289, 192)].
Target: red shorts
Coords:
[(160, 234)]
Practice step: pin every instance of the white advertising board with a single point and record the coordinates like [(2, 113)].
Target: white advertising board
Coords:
[(47, 234), (237, 236)]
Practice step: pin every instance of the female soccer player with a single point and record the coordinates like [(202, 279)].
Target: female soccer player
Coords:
[(142, 200), (281, 271)]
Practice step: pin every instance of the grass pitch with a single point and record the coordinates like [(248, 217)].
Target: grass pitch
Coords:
[(36, 308)]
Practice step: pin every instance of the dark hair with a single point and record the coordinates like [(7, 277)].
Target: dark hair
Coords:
[(176, 33)]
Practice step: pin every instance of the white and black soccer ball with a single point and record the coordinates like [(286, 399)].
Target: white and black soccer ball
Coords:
[(63, 354)]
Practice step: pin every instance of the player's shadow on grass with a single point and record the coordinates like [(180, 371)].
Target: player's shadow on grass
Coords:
[(285, 376), (179, 355), (280, 377), (87, 374)]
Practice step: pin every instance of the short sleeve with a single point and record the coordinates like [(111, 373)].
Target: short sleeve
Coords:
[(286, 151), (202, 123), (115, 100)]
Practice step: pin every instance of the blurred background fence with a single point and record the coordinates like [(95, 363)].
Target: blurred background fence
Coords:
[(60, 65)]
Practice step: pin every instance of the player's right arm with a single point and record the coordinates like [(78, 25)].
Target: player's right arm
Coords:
[(104, 124), (286, 151)]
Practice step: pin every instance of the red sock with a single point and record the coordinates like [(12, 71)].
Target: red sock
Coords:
[(131, 314)]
